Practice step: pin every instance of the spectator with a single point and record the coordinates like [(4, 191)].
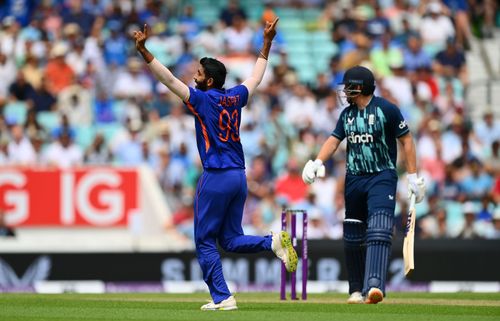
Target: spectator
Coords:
[(233, 9), (103, 108), (188, 25), (459, 10), (435, 28), (32, 127), (399, 86), (414, 56), (477, 183), (496, 224), (133, 83), (452, 57), (129, 152), (5, 230), (183, 217), (433, 225), (301, 107), (385, 55), (279, 44), (115, 47), (75, 101), (19, 150), (487, 130), (77, 58), (97, 153), (7, 74), (78, 15), (58, 73), (469, 230), (20, 89), (41, 99), (63, 153), (290, 188), (238, 37)]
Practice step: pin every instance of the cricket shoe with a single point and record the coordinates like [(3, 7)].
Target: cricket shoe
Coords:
[(356, 298), (224, 305), (283, 248), (374, 296)]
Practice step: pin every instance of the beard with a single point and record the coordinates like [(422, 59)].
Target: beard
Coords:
[(201, 85)]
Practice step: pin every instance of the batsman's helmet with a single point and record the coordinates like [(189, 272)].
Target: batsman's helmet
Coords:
[(358, 80)]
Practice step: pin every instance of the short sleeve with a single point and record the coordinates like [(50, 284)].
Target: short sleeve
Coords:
[(196, 98), (339, 130), (396, 121), (242, 91)]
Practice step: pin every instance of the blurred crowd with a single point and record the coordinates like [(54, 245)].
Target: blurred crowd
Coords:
[(74, 92)]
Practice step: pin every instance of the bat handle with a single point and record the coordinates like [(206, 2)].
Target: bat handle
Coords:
[(412, 200)]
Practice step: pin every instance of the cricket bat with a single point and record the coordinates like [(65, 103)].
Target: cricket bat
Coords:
[(409, 240)]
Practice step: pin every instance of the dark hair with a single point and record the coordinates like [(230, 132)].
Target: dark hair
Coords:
[(214, 69)]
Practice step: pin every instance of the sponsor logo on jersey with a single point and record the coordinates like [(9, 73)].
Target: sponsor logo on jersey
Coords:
[(350, 120), (360, 138), (402, 124)]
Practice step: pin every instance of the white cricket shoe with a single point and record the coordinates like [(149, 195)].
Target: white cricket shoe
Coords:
[(224, 305), (356, 298), (375, 295), (283, 248)]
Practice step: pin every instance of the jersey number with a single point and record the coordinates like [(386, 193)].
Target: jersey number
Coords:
[(228, 125)]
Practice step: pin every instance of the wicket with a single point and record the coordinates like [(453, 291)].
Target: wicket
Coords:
[(305, 267)]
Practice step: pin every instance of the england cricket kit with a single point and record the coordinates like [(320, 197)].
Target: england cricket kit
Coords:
[(370, 188), (222, 188)]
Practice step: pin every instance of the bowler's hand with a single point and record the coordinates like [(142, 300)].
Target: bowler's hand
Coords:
[(140, 38), (270, 29), (313, 170), (416, 185)]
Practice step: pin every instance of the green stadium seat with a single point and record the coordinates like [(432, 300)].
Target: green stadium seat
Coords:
[(286, 14), (48, 119), (118, 110), (291, 24), (109, 130), (85, 135), (307, 75), (16, 112), (299, 37), (311, 14)]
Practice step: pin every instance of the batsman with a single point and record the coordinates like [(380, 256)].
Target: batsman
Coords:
[(372, 126)]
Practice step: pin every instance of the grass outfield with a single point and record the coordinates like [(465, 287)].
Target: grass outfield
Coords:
[(252, 307)]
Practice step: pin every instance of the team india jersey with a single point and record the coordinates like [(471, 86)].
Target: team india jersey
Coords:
[(217, 120), (371, 136)]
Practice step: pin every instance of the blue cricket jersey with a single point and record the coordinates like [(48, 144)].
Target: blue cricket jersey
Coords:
[(371, 136), (217, 120)]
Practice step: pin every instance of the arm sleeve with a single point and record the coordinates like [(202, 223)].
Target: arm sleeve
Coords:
[(168, 79), (396, 121), (339, 130), (195, 100), (243, 93), (256, 77)]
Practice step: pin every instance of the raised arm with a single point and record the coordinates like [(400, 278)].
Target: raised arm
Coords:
[(260, 66), (162, 73)]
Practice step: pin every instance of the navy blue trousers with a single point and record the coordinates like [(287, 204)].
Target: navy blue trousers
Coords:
[(218, 207)]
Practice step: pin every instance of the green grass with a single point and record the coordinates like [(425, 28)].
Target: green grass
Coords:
[(252, 307)]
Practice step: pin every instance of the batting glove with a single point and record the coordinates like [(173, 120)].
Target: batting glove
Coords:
[(313, 170), (416, 185)]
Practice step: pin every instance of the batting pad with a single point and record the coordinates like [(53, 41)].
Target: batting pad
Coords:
[(379, 241), (355, 253)]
